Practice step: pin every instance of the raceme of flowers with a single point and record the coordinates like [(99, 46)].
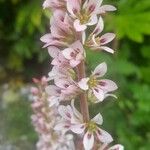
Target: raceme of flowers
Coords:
[(59, 124)]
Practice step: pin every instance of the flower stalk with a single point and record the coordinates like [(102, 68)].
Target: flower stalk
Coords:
[(67, 81), (83, 96)]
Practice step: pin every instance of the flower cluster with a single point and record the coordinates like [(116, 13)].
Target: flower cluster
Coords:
[(67, 82), (44, 120)]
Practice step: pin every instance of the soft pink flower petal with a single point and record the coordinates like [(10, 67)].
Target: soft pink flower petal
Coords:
[(93, 20), (105, 8), (104, 136), (106, 38), (53, 51), (93, 6), (46, 38), (99, 27), (52, 90), (88, 141), (62, 126), (78, 128), (78, 26), (98, 119), (117, 147), (107, 49), (65, 112), (76, 112), (99, 94), (100, 70), (83, 84), (107, 85), (73, 6)]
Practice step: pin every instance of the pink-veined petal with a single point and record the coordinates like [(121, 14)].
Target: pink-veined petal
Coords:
[(106, 38), (88, 141), (98, 119), (107, 85), (100, 70), (93, 6), (67, 53), (107, 49), (105, 8), (104, 136), (62, 126), (65, 112), (74, 63), (99, 94), (78, 128), (78, 26), (73, 6), (83, 84), (117, 147)]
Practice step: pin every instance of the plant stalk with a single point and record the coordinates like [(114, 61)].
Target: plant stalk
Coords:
[(83, 96)]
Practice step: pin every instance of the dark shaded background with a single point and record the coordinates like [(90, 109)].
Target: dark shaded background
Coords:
[(23, 22)]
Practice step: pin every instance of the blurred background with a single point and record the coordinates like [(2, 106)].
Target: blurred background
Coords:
[(23, 22)]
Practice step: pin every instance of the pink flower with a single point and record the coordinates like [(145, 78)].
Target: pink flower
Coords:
[(75, 53), (58, 58), (54, 4), (96, 42), (65, 90), (86, 14), (62, 31), (72, 120), (100, 88)]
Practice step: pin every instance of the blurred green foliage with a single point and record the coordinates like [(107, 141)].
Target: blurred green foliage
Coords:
[(22, 24)]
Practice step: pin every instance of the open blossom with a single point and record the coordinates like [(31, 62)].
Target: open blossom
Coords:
[(75, 53), (86, 14), (98, 87), (96, 42), (62, 31), (73, 120)]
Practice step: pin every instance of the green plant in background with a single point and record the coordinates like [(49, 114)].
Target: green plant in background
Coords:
[(19, 48)]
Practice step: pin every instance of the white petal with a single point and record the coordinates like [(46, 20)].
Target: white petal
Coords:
[(78, 128), (98, 119), (106, 38), (46, 38), (117, 147), (104, 136), (105, 8), (107, 85), (100, 70), (79, 27), (107, 49), (83, 84), (99, 94), (88, 141), (93, 20), (99, 27), (53, 51), (67, 53)]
